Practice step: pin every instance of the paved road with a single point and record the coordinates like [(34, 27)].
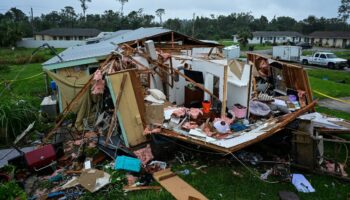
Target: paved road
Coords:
[(335, 105), (268, 53)]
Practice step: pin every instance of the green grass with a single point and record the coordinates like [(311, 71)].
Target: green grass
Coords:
[(227, 42), (20, 100), (219, 182), (330, 82), (256, 46), (30, 90), (23, 56)]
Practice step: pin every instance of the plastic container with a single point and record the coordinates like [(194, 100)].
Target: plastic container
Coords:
[(206, 106), (127, 163)]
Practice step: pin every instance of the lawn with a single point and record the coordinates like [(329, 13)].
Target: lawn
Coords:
[(216, 181), (256, 46)]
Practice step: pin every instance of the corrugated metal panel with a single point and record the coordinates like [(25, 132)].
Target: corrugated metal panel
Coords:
[(105, 47)]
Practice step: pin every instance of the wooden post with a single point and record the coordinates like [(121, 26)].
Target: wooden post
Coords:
[(224, 99), (172, 39)]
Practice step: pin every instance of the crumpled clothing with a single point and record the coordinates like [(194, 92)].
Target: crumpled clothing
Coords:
[(190, 125), (144, 154), (195, 112)]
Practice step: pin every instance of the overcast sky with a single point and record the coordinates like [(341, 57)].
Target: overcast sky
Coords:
[(298, 9)]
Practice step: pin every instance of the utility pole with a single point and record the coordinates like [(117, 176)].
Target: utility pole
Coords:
[(193, 21), (32, 19)]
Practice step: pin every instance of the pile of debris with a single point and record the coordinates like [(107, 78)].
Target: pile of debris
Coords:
[(146, 93)]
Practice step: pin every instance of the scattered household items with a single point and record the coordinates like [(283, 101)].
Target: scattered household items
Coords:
[(259, 109), (301, 183), (41, 158), (128, 163), (49, 107), (231, 52)]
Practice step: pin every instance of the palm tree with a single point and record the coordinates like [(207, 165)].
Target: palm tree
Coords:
[(122, 2), (159, 13), (244, 36), (84, 7)]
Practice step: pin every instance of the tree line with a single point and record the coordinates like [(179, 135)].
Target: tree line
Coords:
[(14, 24)]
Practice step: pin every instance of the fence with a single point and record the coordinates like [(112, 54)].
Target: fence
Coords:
[(31, 43)]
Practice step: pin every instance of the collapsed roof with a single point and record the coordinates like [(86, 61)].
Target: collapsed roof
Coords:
[(92, 53)]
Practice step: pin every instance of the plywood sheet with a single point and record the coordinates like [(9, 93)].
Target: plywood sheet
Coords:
[(176, 186), (129, 116)]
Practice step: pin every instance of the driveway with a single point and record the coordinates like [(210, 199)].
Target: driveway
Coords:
[(335, 105)]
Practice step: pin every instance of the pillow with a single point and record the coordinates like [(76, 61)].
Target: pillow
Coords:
[(157, 94)]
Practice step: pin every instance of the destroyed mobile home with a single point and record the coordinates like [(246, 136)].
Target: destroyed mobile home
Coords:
[(169, 85)]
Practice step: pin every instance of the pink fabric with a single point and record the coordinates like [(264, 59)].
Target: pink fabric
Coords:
[(145, 154), (195, 112)]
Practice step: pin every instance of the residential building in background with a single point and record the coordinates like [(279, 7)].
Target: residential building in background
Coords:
[(337, 39), (66, 34), (277, 37), (60, 37)]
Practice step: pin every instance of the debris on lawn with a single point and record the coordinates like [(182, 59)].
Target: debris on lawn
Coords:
[(157, 101)]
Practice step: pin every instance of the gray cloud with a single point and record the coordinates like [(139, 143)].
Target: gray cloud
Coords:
[(298, 9)]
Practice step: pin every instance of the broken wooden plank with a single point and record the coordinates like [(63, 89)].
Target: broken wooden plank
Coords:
[(176, 186)]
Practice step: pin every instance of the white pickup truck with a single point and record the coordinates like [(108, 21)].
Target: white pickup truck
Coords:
[(324, 59)]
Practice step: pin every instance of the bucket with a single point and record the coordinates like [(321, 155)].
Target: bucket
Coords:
[(206, 106)]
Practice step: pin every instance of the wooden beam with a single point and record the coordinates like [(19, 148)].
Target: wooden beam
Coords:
[(224, 99)]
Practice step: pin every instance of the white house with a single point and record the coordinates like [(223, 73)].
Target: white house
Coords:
[(262, 37), (338, 39)]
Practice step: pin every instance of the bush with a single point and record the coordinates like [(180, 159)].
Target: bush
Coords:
[(4, 68), (15, 116), (11, 191)]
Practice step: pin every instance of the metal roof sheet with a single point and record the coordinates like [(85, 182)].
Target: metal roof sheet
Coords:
[(105, 47)]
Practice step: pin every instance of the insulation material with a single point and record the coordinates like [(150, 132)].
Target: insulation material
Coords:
[(69, 83)]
